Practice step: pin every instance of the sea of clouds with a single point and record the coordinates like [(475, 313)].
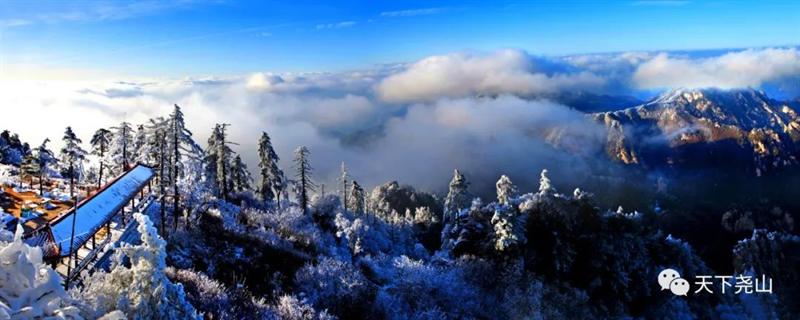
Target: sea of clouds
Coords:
[(482, 112)]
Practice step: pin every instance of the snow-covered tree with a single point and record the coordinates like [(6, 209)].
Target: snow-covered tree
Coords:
[(45, 157), (29, 168), (509, 232), (141, 291), (505, 189), (12, 150), (356, 198), (545, 187), (344, 178), (240, 176), (272, 181), (140, 147), (72, 158), (458, 197), (181, 147), (121, 147), (210, 163), (29, 289), (302, 165), (101, 141), (218, 162)]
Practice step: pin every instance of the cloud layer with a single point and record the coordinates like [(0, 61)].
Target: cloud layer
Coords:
[(486, 113)]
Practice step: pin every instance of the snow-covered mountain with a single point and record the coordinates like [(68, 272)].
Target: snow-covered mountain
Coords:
[(706, 126)]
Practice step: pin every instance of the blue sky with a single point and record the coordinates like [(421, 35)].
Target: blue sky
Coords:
[(194, 38)]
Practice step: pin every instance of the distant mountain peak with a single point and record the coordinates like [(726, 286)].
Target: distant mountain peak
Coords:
[(692, 95), (764, 129)]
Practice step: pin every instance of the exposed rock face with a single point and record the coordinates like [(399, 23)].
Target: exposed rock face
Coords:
[(695, 127)]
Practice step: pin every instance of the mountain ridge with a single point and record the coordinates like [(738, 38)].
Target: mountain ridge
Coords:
[(766, 131)]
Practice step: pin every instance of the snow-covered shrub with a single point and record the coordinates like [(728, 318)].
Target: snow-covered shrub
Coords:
[(324, 209), (29, 289), (292, 308), (390, 200), (775, 255), (205, 294), (141, 291), (336, 286), (369, 236), (292, 225), (419, 290)]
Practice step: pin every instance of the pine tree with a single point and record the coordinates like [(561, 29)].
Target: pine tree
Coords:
[(356, 198), (240, 176), (154, 132), (72, 157), (545, 187), (30, 168), (140, 146), (218, 161), (223, 160), (210, 163), (458, 197), (272, 180), (344, 177), (120, 148), (505, 189), (303, 171), (45, 157), (100, 144), (181, 144)]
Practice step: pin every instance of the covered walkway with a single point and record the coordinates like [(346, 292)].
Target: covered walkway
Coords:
[(71, 238)]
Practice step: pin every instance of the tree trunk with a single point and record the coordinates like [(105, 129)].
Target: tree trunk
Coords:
[(176, 196), (161, 185), (100, 178), (74, 215)]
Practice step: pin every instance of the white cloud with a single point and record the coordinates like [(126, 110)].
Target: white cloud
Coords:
[(58, 12), (412, 12), (466, 74), (338, 25), (414, 122), (418, 144), (748, 68)]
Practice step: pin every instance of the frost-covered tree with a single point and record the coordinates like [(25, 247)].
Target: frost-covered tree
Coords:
[(12, 150), (210, 162), (505, 189), (545, 187), (101, 141), (45, 157), (356, 198), (218, 162), (509, 232), (29, 289), (72, 158), (29, 168), (344, 178), (140, 146), (142, 289), (182, 149), (121, 147), (458, 197), (302, 165), (240, 176), (155, 132), (272, 181)]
